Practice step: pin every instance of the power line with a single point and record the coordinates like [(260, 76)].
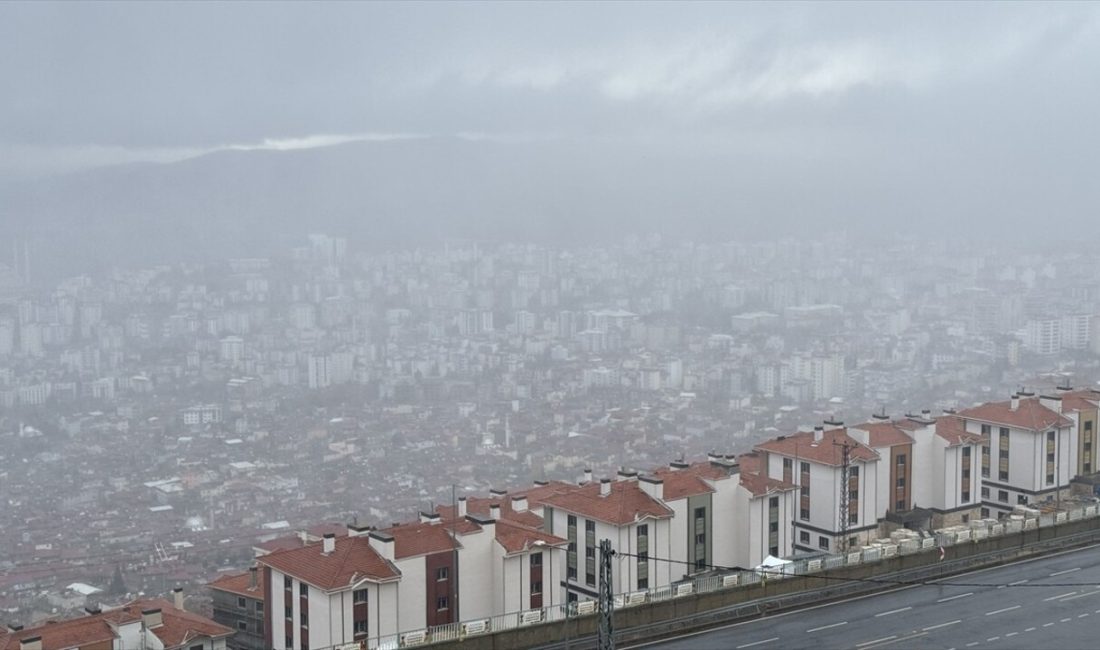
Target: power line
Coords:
[(886, 581)]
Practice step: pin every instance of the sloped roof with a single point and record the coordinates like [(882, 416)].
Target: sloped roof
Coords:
[(239, 583), (352, 557), (178, 627), (515, 538), (1030, 414), (827, 451), (625, 504), (952, 428), (885, 433)]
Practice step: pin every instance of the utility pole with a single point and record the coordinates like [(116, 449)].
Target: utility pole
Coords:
[(606, 633), (845, 462)]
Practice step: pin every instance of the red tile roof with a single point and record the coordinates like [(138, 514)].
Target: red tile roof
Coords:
[(952, 428), (240, 584), (885, 433), (625, 504), (425, 538), (1080, 400), (754, 480), (179, 627), (352, 560), (516, 539), (1030, 415), (827, 452), (689, 481)]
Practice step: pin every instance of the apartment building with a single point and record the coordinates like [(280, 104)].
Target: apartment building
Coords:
[(763, 509), (814, 461), (630, 513), (238, 603), (1083, 403), (341, 590), (146, 624), (1031, 454)]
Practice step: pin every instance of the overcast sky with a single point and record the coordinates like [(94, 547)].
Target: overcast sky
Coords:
[(93, 83)]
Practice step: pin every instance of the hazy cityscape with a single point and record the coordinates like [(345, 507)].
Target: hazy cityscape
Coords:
[(297, 301)]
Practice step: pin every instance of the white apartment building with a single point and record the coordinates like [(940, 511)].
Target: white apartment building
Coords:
[(1031, 453), (814, 461), (628, 512)]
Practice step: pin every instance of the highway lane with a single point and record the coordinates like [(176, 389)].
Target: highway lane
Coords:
[(1049, 602)]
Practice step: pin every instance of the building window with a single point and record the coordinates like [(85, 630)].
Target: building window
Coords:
[(360, 627), (901, 459), (853, 471), (985, 513), (242, 603), (773, 551), (360, 596), (985, 492), (303, 590), (700, 539), (773, 527), (901, 481), (804, 513), (442, 573), (289, 641), (1050, 479), (242, 626), (590, 526), (900, 505), (966, 452), (303, 619), (643, 583), (289, 612), (571, 520), (536, 587), (536, 559), (773, 502), (288, 583), (441, 603), (259, 607), (804, 537), (1021, 499), (571, 573), (1002, 496), (823, 542), (853, 517)]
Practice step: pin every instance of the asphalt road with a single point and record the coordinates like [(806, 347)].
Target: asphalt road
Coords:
[(1050, 602)]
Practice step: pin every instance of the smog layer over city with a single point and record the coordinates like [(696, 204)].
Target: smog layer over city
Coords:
[(564, 325)]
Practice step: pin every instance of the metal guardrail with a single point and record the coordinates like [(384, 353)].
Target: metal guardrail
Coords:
[(976, 531)]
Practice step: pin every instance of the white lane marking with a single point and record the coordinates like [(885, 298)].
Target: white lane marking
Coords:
[(1018, 582), (936, 627), (1082, 615), (1091, 593), (1047, 624), (1030, 629), (1062, 573), (1011, 634), (885, 638), (749, 645), (1066, 620), (944, 600), (972, 644), (826, 627), (992, 638), (893, 611), (1059, 596), (1002, 611)]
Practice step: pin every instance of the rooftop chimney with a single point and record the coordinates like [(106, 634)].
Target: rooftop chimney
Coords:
[(652, 486), (355, 530), (587, 475), (1052, 402), (382, 543), (1014, 403), (833, 422), (494, 511), (626, 474), (328, 543), (14, 627), (519, 504), (31, 643), (152, 618), (819, 434), (92, 610), (605, 487), (1064, 387), (497, 494), (678, 465), (926, 414), (253, 581), (541, 483), (461, 506), (177, 595)]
